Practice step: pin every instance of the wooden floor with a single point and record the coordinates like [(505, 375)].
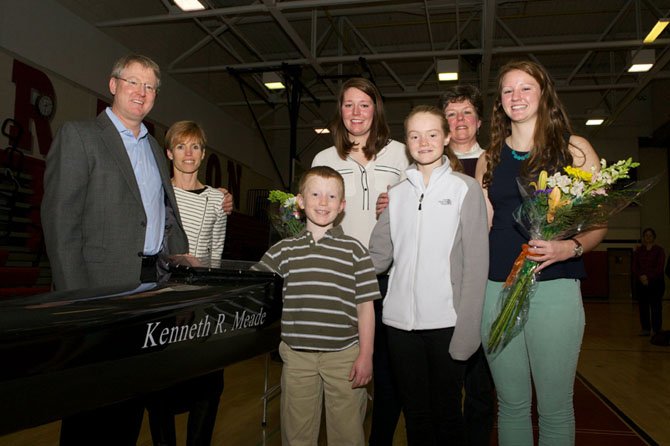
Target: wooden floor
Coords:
[(628, 372)]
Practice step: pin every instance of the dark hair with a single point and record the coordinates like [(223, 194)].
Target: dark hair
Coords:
[(379, 132), (184, 129), (649, 230), (322, 172), (460, 93), (550, 149), (145, 61), (432, 110)]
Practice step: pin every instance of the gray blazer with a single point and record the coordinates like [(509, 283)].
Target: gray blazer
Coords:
[(92, 214)]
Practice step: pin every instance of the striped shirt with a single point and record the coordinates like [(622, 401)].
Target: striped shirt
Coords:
[(323, 283), (204, 223)]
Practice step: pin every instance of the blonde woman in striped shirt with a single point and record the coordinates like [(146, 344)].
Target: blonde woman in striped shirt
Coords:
[(200, 206), (204, 222)]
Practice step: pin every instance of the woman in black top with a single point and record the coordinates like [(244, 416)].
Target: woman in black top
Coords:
[(530, 132)]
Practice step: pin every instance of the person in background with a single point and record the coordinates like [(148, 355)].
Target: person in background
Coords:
[(370, 162), (204, 221), (108, 212), (648, 262), (530, 132), (462, 107), (327, 323), (434, 235)]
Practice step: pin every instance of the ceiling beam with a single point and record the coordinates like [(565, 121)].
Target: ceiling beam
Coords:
[(602, 36), (436, 93), (233, 11), (644, 81), (488, 28), (540, 48)]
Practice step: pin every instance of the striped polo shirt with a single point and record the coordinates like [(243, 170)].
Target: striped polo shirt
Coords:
[(323, 283)]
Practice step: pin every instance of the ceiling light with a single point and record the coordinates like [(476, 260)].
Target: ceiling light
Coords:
[(189, 5), (272, 81), (656, 30), (447, 69), (321, 131), (641, 61), (595, 117)]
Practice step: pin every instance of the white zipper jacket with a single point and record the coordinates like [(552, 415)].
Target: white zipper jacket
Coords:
[(436, 238)]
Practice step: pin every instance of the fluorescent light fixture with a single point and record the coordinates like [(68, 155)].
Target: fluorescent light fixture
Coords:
[(642, 60), (656, 30), (189, 5), (272, 81), (595, 116), (321, 131), (447, 70)]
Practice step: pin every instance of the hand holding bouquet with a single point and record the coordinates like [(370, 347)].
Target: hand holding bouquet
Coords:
[(557, 207), (286, 216)]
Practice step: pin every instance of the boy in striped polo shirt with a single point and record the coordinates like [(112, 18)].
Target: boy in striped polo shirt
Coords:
[(327, 319)]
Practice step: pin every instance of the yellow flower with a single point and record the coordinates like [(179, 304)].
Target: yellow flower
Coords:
[(541, 181), (554, 203), (578, 173)]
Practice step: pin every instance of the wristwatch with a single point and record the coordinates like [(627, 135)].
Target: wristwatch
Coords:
[(579, 249)]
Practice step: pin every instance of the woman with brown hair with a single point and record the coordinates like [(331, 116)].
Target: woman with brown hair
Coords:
[(530, 132), (370, 162)]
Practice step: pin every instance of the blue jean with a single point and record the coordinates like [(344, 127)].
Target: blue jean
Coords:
[(548, 349)]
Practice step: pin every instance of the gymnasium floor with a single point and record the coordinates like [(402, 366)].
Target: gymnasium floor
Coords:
[(629, 379)]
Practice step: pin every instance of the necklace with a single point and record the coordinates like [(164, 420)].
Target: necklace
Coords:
[(516, 155)]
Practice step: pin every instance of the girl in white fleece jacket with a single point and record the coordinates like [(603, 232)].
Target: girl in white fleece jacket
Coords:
[(435, 234)]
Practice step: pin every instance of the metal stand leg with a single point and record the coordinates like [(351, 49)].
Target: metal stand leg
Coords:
[(269, 392)]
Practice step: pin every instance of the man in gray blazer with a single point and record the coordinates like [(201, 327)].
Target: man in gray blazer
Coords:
[(108, 207), (108, 211)]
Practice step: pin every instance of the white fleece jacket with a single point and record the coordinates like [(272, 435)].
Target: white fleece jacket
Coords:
[(436, 237)]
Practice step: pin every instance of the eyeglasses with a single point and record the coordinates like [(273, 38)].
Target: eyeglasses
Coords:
[(151, 89)]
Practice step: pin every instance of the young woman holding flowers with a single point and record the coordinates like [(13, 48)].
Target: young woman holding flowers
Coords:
[(370, 162), (530, 132)]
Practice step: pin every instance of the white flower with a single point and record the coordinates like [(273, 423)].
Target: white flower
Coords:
[(577, 188), (562, 181)]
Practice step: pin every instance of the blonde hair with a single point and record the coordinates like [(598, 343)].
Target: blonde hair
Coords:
[(145, 61), (181, 130), (321, 172)]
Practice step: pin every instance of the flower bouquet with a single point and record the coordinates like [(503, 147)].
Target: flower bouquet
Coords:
[(557, 207), (286, 216)]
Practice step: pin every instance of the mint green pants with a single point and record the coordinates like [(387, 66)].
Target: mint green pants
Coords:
[(547, 351)]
